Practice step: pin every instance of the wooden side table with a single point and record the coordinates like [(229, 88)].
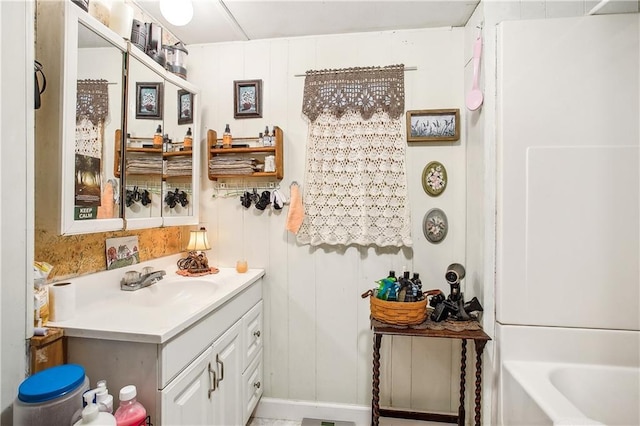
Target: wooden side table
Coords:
[(464, 332)]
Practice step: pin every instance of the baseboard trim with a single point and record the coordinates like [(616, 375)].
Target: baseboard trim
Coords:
[(289, 409)]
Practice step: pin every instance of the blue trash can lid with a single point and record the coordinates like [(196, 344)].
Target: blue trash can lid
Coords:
[(51, 383)]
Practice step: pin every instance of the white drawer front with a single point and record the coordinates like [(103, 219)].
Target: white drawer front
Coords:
[(252, 387), (253, 333)]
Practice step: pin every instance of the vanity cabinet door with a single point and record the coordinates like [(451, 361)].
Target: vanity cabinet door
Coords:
[(227, 357), (187, 400)]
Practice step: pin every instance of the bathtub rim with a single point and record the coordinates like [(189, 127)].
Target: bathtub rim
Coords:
[(535, 378)]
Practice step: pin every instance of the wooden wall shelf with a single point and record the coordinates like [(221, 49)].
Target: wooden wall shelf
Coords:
[(212, 149), (150, 151)]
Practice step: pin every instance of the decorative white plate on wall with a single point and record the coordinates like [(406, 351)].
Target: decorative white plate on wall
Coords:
[(435, 225), (434, 178)]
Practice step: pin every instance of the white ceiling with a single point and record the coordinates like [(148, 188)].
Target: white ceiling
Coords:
[(217, 21), (236, 20)]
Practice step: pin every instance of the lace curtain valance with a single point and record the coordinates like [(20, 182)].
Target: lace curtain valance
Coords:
[(363, 90), (92, 101), (355, 180)]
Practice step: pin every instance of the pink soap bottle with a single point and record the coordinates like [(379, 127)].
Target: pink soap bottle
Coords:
[(130, 412)]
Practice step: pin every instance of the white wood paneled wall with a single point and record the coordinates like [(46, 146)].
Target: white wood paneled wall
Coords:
[(317, 338)]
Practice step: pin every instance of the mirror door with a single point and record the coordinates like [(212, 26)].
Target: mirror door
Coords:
[(98, 124), (158, 159), (144, 140), (178, 156)]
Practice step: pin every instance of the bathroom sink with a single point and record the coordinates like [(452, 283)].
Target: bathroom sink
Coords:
[(172, 293)]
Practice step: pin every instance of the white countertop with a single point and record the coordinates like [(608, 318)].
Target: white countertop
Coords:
[(154, 314)]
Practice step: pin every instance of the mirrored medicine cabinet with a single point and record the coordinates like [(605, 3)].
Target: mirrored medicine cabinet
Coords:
[(98, 166)]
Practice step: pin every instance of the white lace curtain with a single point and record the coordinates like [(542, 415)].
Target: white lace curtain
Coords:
[(355, 188)]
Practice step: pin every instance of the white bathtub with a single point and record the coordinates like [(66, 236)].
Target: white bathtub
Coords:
[(547, 393)]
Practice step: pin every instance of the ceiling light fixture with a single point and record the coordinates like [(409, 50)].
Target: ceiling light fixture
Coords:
[(177, 12)]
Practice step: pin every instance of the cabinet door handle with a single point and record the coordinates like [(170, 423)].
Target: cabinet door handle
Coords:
[(256, 385), (257, 333), (212, 380), (221, 368)]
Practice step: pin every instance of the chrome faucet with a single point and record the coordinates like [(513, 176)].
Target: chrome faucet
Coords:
[(133, 280)]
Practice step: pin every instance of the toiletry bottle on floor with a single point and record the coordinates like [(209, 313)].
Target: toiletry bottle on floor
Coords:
[(130, 412), (91, 414)]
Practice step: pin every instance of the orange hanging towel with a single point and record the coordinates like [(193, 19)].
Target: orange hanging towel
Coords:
[(105, 211), (296, 210)]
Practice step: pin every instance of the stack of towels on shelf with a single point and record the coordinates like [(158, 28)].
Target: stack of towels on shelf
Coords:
[(144, 164), (233, 165), (179, 166)]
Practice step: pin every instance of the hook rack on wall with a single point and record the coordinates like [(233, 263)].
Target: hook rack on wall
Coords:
[(233, 189), (152, 186)]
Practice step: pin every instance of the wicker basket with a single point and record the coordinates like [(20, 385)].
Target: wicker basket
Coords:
[(397, 313)]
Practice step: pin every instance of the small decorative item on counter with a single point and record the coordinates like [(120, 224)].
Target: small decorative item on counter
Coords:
[(41, 271), (241, 266), (227, 140), (157, 137), (130, 412), (188, 139)]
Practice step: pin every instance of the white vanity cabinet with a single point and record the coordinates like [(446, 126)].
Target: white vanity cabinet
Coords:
[(204, 375), (219, 387)]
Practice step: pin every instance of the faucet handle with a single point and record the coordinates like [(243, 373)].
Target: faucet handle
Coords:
[(131, 277), (147, 270)]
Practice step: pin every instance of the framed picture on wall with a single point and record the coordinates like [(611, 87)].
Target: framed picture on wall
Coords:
[(149, 100), (247, 99), (433, 125), (185, 107)]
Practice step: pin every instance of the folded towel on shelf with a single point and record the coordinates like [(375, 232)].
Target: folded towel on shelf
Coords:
[(233, 165)]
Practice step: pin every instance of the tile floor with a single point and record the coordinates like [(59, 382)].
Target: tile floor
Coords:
[(383, 422)]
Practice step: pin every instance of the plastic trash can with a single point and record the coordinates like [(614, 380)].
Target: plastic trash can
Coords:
[(50, 397)]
